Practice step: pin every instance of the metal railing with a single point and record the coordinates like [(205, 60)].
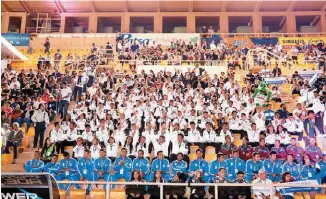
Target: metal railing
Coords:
[(215, 185), (262, 35)]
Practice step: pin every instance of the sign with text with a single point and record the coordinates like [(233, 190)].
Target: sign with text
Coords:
[(164, 39), (310, 187), (299, 41), (17, 39), (30, 186)]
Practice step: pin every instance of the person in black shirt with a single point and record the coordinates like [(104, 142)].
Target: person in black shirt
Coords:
[(154, 190), (135, 191), (197, 192), (37, 90)]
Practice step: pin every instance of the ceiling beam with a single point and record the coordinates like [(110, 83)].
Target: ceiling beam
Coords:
[(282, 22), (315, 20), (158, 6), (292, 5), (323, 8), (125, 5), (5, 7), (191, 5), (59, 6), (26, 8), (224, 5), (258, 5), (93, 7)]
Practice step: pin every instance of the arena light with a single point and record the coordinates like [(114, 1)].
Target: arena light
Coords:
[(6, 45)]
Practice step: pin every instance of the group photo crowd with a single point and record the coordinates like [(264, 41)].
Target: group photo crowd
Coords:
[(169, 126)]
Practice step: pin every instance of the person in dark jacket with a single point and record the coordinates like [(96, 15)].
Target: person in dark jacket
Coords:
[(136, 191), (199, 191), (154, 190)]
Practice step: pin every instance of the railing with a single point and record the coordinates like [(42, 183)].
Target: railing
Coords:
[(266, 34), (215, 185)]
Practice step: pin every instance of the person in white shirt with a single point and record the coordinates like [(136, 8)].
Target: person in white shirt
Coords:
[(143, 145), (40, 118), (234, 123), (56, 136), (179, 146), (162, 145), (283, 135), (88, 135), (112, 149), (95, 148), (212, 46), (64, 97), (129, 145), (193, 137), (262, 192), (78, 150), (102, 133), (224, 132), (271, 136), (253, 135)]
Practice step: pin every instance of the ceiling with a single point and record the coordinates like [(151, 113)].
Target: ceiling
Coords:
[(55, 7)]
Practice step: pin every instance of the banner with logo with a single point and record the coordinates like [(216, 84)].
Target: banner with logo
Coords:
[(29, 186), (164, 39), (310, 187), (239, 41), (299, 41), (17, 39)]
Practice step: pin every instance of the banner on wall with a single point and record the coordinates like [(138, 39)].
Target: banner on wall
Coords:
[(310, 187), (299, 41), (17, 39), (164, 39), (239, 41)]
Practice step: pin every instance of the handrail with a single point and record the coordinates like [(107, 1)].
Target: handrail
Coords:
[(216, 185)]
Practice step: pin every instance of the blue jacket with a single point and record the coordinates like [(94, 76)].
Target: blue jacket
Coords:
[(197, 164), (215, 166), (103, 165), (33, 166), (294, 169), (233, 166), (125, 168), (85, 166), (70, 163), (179, 166), (308, 173), (273, 168), (141, 164), (51, 168), (161, 165), (309, 127), (252, 167)]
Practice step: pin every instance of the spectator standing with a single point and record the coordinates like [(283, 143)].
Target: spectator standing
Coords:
[(57, 59), (47, 46), (40, 118)]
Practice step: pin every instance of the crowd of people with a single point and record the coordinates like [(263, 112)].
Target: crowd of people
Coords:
[(157, 119)]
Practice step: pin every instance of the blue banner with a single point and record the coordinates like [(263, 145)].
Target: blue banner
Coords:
[(310, 187), (265, 41), (17, 39)]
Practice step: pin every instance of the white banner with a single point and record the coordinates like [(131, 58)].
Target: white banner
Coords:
[(164, 39), (310, 187)]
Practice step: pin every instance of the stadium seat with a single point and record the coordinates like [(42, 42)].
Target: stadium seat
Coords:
[(60, 156), (192, 157), (97, 194), (238, 142), (7, 159), (77, 194), (320, 196), (237, 136), (62, 193), (31, 131), (210, 150), (210, 157), (193, 149), (117, 194)]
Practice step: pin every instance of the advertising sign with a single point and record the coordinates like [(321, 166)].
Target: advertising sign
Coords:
[(30, 186), (17, 39), (161, 38)]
